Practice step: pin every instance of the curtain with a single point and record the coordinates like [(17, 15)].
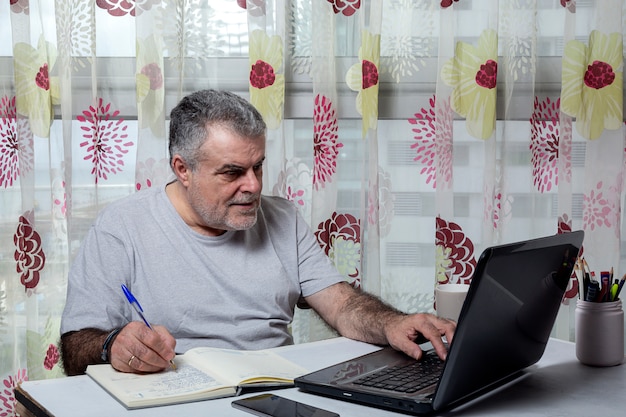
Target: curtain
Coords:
[(411, 135)]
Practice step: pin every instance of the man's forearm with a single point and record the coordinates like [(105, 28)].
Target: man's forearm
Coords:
[(364, 317), (81, 348)]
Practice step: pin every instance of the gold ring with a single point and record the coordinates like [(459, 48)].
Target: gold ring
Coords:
[(130, 361)]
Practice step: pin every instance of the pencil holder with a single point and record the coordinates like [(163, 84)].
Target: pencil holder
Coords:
[(600, 333)]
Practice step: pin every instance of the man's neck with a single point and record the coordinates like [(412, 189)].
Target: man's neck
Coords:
[(178, 196)]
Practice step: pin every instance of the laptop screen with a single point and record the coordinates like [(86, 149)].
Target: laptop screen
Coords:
[(508, 315)]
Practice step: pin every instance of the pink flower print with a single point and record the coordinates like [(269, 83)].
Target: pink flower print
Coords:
[(154, 74), (257, 9), (570, 5), (52, 357), (487, 74), (29, 255), (370, 74), (451, 238), (106, 139), (546, 146), (295, 195), (325, 146), (151, 172), (60, 202), (380, 211), (262, 75), (345, 7), (597, 211), (123, 7), (340, 238), (7, 398), (20, 6), (565, 224), (428, 146), (599, 75), (447, 3), (16, 143), (9, 148), (41, 79)]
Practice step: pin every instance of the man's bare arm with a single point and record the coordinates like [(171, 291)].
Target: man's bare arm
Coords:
[(135, 348), (361, 316), (81, 348)]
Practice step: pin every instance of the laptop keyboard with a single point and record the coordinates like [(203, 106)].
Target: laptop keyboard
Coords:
[(408, 378)]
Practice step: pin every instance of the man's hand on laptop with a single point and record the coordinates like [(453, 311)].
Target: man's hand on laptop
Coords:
[(402, 333)]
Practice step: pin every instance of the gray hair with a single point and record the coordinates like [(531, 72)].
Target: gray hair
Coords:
[(192, 118)]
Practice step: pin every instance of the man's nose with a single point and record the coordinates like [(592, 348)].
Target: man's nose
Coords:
[(252, 182)]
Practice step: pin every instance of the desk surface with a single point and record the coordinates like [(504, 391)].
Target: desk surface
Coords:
[(558, 385)]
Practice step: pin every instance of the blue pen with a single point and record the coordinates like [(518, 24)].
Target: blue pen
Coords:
[(133, 302)]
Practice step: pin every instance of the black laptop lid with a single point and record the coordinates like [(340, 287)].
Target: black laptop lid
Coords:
[(508, 314)]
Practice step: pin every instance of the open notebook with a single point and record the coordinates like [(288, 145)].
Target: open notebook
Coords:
[(504, 326)]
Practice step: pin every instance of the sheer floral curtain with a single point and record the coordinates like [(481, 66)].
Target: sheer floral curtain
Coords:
[(410, 133)]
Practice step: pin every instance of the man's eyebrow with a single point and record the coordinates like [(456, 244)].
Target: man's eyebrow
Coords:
[(235, 167), (230, 167)]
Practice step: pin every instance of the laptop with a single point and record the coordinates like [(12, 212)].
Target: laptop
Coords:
[(505, 323)]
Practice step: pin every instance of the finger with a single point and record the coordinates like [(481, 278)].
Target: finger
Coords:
[(137, 365), (445, 328), (137, 340), (169, 343)]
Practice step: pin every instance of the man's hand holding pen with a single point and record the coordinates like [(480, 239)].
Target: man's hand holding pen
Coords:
[(141, 349)]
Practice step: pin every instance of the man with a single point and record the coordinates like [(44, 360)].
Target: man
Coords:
[(212, 261)]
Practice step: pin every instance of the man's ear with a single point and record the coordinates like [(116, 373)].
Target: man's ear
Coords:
[(181, 169)]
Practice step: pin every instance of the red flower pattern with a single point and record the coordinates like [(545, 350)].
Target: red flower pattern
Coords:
[(52, 357), (20, 6), (544, 144), (7, 398), (487, 74), (570, 5), (599, 75), (257, 9), (325, 145), (428, 146), (447, 3), (344, 226), (370, 74), (9, 146), (41, 79), (262, 75), (105, 144), (565, 226), (120, 8), (151, 172), (345, 7), (597, 210), (29, 255), (450, 236), (154, 74)]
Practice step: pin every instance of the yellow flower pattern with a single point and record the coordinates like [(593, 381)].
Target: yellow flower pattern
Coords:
[(267, 86), (36, 91), (363, 77), (592, 83), (472, 73), (150, 88)]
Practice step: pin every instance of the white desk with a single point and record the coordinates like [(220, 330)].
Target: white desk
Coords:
[(557, 386)]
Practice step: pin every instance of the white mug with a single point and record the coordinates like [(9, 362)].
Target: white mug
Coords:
[(449, 299)]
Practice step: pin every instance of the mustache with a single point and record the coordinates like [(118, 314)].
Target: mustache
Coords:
[(247, 200)]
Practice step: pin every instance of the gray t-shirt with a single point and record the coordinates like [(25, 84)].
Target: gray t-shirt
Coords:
[(237, 290)]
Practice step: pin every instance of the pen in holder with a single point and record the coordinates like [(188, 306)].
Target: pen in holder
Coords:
[(600, 332)]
